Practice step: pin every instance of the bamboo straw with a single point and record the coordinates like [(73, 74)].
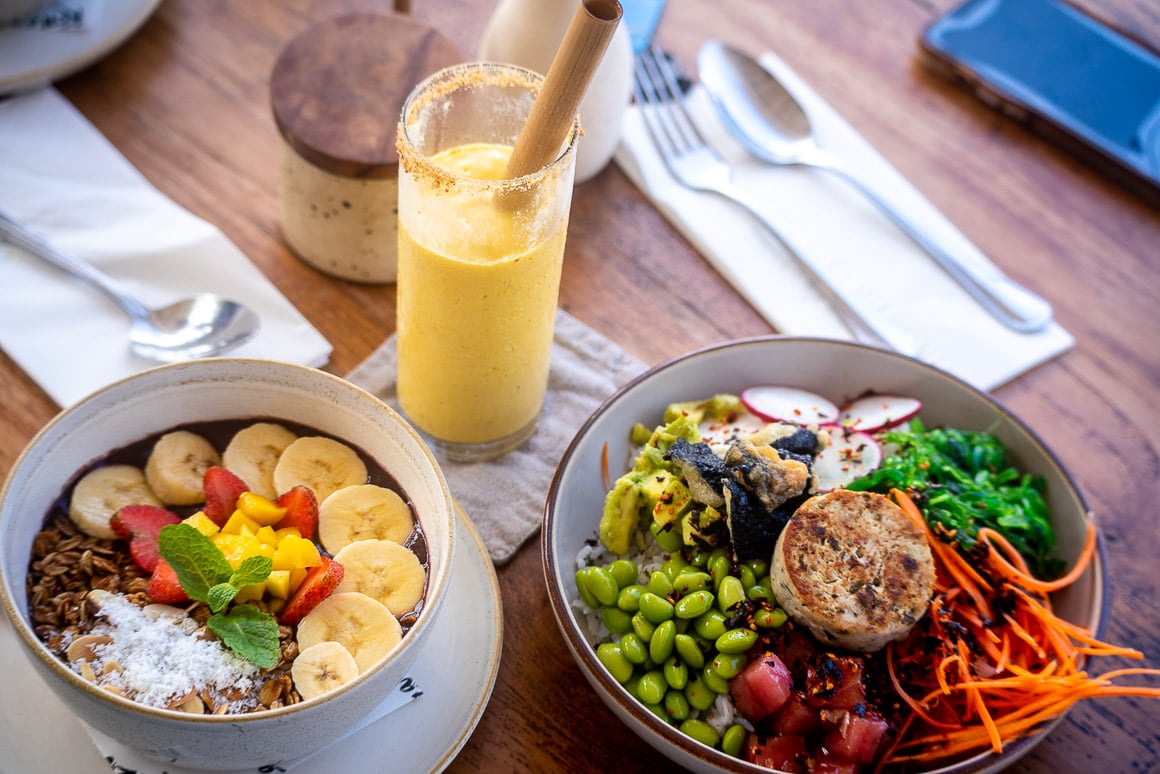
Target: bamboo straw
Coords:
[(564, 86)]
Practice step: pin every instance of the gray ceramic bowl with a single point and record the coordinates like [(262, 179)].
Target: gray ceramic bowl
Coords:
[(836, 370), (162, 398)]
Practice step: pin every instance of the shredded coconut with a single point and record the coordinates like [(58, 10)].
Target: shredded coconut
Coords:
[(158, 660)]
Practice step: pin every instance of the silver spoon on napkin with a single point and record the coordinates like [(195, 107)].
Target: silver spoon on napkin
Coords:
[(202, 325), (771, 124)]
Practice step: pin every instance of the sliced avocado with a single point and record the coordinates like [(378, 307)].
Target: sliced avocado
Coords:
[(672, 502), (621, 515), (717, 408), (703, 527)]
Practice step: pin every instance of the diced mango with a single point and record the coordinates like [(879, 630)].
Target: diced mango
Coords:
[(236, 548), (295, 553), (284, 531), (239, 523), (296, 578), (261, 509), (278, 584), (202, 523), (252, 592)]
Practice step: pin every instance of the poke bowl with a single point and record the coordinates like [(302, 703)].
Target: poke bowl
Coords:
[(743, 610), (225, 564)]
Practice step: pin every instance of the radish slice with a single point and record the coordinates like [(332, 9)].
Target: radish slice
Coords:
[(875, 412), (849, 455), (789, 404)]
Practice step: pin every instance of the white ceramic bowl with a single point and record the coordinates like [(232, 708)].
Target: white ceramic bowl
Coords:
[(14, 9), (159, 399), (836, 370)]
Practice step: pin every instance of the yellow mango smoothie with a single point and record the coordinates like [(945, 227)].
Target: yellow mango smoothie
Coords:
[(478, 284)]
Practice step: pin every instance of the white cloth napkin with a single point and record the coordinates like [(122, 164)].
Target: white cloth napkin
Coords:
[(69, 185), (859, 251), (505, 497)]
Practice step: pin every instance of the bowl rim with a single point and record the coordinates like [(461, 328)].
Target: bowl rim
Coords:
[(437, 584), (667, 734)]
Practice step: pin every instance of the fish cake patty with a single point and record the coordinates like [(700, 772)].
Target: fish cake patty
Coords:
[(853, 569)]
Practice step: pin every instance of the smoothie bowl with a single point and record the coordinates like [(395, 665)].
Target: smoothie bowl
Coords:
[(225, 564)]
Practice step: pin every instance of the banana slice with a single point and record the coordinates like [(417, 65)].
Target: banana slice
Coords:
[(323, 464), (177, 465), (321, 668), (362, 512), (102, 491), (359, 623), (254, 451), (384, 570)]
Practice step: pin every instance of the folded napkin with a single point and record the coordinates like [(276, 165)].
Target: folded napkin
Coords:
[(67, 184), (888, 278), (505, 497)]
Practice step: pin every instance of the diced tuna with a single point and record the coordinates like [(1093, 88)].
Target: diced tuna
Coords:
[(781, 753), (762, 687)]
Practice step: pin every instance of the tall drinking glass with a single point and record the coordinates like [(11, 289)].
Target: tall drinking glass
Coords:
[(479, 261)]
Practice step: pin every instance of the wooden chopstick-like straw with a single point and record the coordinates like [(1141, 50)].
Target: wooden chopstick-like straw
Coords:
[(554, 110)]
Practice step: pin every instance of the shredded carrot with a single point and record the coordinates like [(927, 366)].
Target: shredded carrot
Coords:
[(604, 474), (992, 679)]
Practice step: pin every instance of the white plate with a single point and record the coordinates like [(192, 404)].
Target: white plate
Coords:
[(456, 674), (31, 58)]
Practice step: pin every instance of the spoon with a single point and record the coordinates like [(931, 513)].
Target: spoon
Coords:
[(771, 124), (202, 325)]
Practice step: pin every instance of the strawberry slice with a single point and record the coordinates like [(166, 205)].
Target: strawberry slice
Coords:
[(222, 490), (141, 526), (301, 511), (163, 586), (320, 581)]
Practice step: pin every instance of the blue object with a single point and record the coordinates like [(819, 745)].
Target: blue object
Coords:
[(641, 17)]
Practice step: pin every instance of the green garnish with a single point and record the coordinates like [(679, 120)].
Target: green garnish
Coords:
[(963, 482), (206, 576)]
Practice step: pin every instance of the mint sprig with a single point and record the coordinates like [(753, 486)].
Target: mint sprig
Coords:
[(206, 576)]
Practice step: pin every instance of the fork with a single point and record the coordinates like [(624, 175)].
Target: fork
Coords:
[(696, 165)]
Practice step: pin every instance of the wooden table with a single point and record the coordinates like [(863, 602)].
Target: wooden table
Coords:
[(186, 100)]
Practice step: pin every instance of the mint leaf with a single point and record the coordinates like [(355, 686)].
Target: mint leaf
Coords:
[(249, 632), (253, 569), (221, 595), (199, 564)]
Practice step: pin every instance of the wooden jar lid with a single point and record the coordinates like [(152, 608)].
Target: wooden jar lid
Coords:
[(338, 89)]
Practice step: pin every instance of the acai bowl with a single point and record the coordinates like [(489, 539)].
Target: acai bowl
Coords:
[(217, 399), (622, 437)]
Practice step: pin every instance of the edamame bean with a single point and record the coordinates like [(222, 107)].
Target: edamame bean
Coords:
[(672, 566), (699, 557), (634, 648), (769, 619), (719, 566), (733, 740), (729, 594), (602, 585), (623, 571), (693, 604), (660, 584), (654, 608), (660, 647), (736, 641), (585, 590), (711, 625), (676, 705), (760, 567), (643, 627), (616, 619), (714, 681), (745, 574), (612, 657), (652, 687), (688, 582), (667, 537), (760, 591), (728, 665), (676, 673), (701, 731), (699, 695), (689, 651), (658, 710), (628, 599)]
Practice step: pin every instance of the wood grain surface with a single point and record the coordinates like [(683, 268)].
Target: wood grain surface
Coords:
[(186, 100)]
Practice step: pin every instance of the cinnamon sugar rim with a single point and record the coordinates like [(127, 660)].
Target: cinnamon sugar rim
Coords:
[(470, 75)]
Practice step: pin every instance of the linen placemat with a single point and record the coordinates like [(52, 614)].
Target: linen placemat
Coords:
[(887, 277), (505, 497)]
